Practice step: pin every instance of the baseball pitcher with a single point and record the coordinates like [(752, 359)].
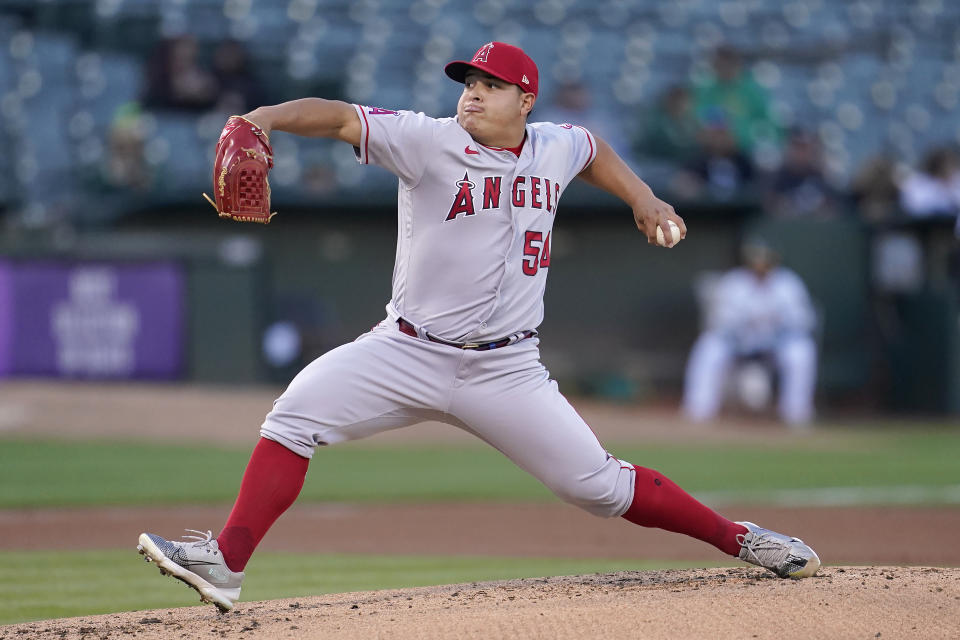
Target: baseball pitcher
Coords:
[(477, 197)]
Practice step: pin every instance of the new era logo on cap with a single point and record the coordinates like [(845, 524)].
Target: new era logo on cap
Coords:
[(501, 60)]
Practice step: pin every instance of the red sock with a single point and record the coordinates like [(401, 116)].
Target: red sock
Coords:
[(271, 483), (659, 502)]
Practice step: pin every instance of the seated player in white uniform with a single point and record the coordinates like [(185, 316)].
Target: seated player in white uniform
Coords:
[(477, 197), (758, 312)]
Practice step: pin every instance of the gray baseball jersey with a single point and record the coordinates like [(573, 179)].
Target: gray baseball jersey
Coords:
[(473, 243), (473, 252)]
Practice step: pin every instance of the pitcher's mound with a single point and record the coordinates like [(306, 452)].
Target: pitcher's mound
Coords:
[(841, 602)]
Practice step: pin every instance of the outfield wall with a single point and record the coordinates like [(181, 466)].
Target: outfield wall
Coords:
[(256, 303)]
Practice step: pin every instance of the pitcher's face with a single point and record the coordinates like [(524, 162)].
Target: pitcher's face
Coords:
[(489, 106)]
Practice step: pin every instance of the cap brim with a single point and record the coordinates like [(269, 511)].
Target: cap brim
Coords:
[(457, 70)]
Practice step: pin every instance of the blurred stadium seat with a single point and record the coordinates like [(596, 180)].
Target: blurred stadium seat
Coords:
[(866, 75), (36, 112)]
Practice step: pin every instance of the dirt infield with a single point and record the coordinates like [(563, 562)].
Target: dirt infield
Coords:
[(848, 535), (842, 602), (226, 416)]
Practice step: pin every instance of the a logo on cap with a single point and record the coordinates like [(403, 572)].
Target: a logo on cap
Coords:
[(483, 52), (524, 79)]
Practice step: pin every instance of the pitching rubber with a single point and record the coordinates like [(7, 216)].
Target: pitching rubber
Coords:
[(208, 592)]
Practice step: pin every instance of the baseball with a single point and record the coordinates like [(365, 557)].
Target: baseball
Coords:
[(674, 232)]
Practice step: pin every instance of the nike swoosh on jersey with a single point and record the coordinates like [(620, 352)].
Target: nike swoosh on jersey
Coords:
[(470, 151)]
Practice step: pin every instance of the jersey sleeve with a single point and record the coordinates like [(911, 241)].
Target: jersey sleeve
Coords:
[(573, 146), (398, 141), (798, 311), (584, 149)]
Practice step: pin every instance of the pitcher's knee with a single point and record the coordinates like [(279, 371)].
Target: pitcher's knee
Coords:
[(296, 430), (297, 440), (605, 493)]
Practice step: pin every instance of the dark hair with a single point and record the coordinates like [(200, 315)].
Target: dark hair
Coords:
[(938, 160)]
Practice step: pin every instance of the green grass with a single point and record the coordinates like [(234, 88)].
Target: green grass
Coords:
[(47, 473), (54, 474), (42, 585), (866, 459), (41, 473)]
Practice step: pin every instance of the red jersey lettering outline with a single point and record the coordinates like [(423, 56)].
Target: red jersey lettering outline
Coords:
[(491, 192), (519, 197), (463, 200)]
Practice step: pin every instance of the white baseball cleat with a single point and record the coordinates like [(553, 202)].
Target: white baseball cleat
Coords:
[(197, 562), (786, 556)]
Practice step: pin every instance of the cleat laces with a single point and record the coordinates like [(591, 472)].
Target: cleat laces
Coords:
[(199, 540), (763, 549)]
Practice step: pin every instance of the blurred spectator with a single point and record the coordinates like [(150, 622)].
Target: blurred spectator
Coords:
[(760, 313), (177, 80), (672, 130), (934, 190), (799, 187), (732, 91), (124, 167), (122, 175), (573, 103), (721, 171), (237, 85), (875, 189)]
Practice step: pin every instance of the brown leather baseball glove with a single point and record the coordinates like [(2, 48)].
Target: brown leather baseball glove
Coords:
[(243, 160)]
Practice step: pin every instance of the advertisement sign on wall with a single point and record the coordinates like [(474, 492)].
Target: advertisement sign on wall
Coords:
[(92, 320)]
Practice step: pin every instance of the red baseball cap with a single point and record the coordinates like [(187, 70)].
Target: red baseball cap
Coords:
[(501, 60)]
